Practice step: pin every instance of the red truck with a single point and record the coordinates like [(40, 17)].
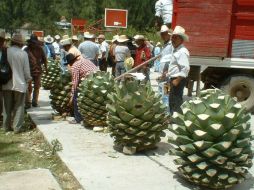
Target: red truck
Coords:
[(221, 44)]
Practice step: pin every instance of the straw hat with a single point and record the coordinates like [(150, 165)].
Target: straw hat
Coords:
[(87, 35), (66, 40), (139, 37), (123, 38), (18, 38), (158, 44), (115, 38), (49, 39), (101, 36), (2, 35), (7, 36), (57, 37), (164, 28), (180, 31), (75, 37)]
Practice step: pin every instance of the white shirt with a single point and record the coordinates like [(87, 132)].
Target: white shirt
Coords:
[(89, 50), (121, 53), (104, 48), (166, 55), (19, 63), (180, 65), (56, 48), (164, 9)]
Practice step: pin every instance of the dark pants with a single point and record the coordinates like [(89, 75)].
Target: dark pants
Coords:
[(13, 108), (77, 115), (35, 89), (176, 96), (103, 65)]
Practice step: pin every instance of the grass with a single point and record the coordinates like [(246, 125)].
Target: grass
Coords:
[(30, 151)]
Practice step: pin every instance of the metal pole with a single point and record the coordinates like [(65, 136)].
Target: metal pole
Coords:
[(139, 66)]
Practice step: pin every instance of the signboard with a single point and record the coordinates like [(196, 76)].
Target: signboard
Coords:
[(116, 18), (38, 33), (78, 25)]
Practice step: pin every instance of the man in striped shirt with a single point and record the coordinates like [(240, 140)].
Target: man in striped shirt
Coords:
[(80, 68)]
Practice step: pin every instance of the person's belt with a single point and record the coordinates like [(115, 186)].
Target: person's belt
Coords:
[(119, 61)]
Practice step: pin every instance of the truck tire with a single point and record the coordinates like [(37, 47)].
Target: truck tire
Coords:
[(241, 87)]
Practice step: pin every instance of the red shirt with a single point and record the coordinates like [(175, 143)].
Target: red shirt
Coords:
[(143, 54), (81, 68)]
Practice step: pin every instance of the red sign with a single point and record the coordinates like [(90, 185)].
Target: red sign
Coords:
[(38, 33), (116, 18), (78, 25)]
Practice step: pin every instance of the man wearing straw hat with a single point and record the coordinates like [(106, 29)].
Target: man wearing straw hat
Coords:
[(121, 53), (37, 58), (80, 68), (143, 54), (14, 92), (89, 49), (166, 56), (178, 69)]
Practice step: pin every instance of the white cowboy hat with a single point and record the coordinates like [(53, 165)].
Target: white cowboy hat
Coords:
[(57, 37), (123, 38), (101, 36), (87, 35), (139, 37), (164, 28), (115, 38), (2, 35), (18, 38), (180, 31), (158, 44), (49, 39), (66, 40), (75, 37)]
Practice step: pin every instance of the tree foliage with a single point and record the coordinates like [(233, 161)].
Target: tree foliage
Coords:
[(42, 14)]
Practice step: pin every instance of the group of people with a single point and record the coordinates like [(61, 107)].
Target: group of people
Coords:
[(26, 59)]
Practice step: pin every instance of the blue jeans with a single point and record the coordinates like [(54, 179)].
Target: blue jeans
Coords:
[(165, 97), (120, 69), (77, 115)]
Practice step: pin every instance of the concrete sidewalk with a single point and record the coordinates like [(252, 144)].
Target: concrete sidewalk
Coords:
[(40, 179), (96, 165)]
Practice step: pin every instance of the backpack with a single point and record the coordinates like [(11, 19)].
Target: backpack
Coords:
[(5, 69)]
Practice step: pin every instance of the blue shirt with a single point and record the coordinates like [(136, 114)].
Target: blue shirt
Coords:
[(89, 50)]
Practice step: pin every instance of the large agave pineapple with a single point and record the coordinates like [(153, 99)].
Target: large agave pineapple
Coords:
[(60, 94), (213, 140), (93, 98), (54, 72), (136, 117)]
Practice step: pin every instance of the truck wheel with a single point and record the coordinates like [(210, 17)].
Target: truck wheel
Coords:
[(241, 87)]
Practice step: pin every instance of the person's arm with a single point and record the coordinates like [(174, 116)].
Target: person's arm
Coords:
[(103, 51), (52, 51), (44, 60), (26, 67), (97, 52), (75, 78), (128, 52)]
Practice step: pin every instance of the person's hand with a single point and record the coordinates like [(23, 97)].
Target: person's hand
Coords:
[(177, 81), (70, 102)]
